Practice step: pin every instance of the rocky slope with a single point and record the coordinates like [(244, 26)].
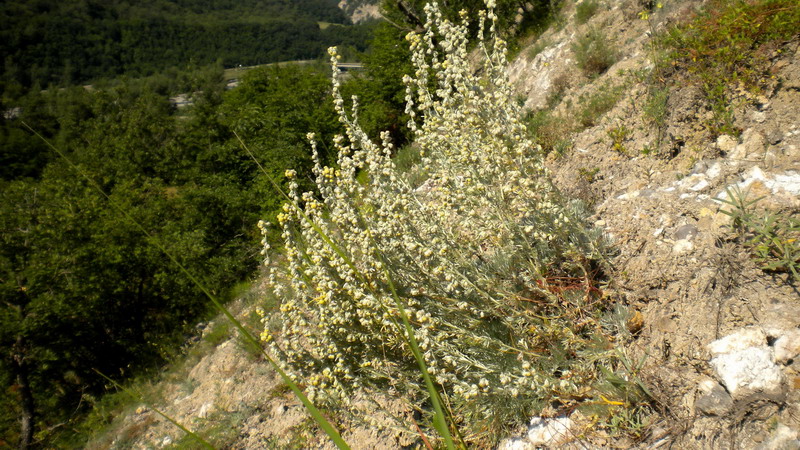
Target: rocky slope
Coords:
[(720, 335), (718, 338)]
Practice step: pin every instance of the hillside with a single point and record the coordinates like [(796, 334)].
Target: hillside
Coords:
[(74, 42), (667, 120)]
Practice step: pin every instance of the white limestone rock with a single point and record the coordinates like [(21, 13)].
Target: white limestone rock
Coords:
[(550, 432), (740, 340), (746, 365), (787, 346)]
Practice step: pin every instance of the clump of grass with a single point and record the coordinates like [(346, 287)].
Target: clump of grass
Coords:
[(774, 238), (655, 107), (588, 175), (585, 10), (595, 105), (594, 53), (486, 282), (220, 332), (551, 131)]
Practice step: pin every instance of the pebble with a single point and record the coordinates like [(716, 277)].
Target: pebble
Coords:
[(682, 246), (726, 143), (787, 347), (687, 232), (714, 399)]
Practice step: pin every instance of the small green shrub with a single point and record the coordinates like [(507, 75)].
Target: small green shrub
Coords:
[(619, 135), (594, 53), (722, 108), (407, 157), (550, 131), (588, 175), (655, 107), (220, 332), (775, 239), (585, 10)]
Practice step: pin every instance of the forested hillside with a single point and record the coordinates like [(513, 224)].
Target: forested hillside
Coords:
[(86, 286), (68, 42)]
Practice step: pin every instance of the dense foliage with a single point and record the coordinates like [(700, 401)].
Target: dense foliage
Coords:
[(82, 286), (48, 41), (488, 267)]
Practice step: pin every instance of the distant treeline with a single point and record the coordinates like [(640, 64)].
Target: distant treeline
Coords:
[(68, 42)]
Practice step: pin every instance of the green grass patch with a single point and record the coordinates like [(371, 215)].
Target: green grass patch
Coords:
[(594, 53), (592, 107), (551, 131), (774, 238), (729, 44)]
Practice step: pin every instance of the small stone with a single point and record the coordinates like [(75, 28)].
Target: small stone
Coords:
[(774, 137), (714, 399), (749, 371), (696, 182), (752, 146), (205, 410), (665, 324), (702, 184), (550, 432), (726, 143), (787, 347), (758, 116), (714, 170), (687, 232)]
